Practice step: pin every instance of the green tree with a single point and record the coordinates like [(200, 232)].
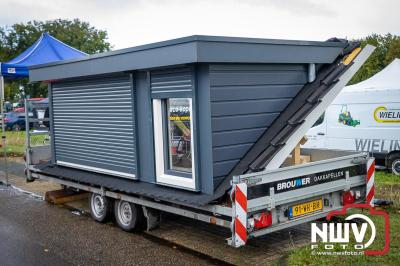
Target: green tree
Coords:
[(18, 37), (387, 48), (393, 51)]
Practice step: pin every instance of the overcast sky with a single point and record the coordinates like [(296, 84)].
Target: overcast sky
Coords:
[(134, 22)]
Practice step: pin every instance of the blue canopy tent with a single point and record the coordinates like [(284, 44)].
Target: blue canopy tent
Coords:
[(46, 49)]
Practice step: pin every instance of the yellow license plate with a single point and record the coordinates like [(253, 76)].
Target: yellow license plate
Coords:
[(305, 208)]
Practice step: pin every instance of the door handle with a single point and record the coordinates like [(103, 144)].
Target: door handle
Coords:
[(321, 134)]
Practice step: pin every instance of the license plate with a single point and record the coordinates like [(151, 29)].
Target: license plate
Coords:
[(305, 208)]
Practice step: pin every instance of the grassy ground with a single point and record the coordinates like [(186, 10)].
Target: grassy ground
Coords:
[(385, 178), (15, 141), (304, 255)]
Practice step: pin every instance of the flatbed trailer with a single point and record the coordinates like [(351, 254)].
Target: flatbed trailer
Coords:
[(261, 202)]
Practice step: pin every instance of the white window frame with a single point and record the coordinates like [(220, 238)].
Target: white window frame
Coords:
[(160, 146)]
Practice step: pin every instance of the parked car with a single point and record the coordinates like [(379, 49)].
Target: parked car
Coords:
[(39, 110), (8, 107), (14, 121), (21, 104)]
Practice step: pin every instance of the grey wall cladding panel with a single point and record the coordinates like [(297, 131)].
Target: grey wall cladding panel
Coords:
[(245, 100), (255, 75), (232, 93), (238, 136), (94, 124), (250, 121), (243, 107)]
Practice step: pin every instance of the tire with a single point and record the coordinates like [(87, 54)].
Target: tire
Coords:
[(128, 215), (394, 163), (16, 127), (100, 208)]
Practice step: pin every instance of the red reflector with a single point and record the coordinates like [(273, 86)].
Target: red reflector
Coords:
[(348, 197), (262, 220)]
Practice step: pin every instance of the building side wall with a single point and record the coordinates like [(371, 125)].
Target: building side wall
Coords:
[(184, 81), (245, 100)]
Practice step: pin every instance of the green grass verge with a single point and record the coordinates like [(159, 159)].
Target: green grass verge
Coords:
[(15, 143), (305, 256), (383, 177)]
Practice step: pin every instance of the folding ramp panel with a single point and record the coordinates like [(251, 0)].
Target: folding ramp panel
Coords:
[(94, 125)]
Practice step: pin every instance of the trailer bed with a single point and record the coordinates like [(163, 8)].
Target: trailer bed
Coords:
[(125, 185)]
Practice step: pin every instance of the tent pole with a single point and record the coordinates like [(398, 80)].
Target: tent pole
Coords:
[(3, 127)]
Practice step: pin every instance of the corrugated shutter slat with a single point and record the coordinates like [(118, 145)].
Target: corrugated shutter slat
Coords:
[(94, 125)]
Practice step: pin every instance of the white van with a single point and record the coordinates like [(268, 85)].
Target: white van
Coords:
[(364, 117)]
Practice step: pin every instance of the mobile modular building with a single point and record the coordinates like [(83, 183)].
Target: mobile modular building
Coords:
[(364, 117), (174, 126)]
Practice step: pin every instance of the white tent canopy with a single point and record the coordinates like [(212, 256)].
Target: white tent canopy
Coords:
[(387, 79)]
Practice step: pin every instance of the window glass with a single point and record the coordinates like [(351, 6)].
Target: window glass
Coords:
[(320, 120), (179, 134)]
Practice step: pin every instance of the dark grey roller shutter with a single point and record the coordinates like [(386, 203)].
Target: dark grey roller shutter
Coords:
[(94, 125), (168, 83)]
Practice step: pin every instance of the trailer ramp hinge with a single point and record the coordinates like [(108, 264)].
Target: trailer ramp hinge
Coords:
[(235, 179), (359, 160), (253, 181), (347, 184), (271, 199), (248, 180)]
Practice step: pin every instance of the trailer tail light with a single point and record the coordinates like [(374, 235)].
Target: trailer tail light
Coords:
[(348, 197), (262, 220)]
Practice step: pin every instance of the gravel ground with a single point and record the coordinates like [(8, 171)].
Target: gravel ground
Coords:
[(33, 232), (16, 166)]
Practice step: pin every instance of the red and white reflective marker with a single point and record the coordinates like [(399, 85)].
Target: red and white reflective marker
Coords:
[(240, 236), (370, 182)]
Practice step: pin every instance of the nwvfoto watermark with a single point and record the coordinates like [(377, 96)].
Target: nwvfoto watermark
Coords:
[(340, 233), (329, 236)]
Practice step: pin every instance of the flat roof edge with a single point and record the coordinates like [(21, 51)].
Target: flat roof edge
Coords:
[(195, 38), (148, 56)]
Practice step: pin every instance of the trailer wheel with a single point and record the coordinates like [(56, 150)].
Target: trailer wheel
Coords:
[(394, 163), (127, 215), (100, 207)]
